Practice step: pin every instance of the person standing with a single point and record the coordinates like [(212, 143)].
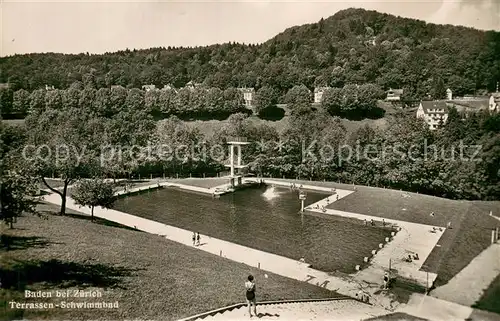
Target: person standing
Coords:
[(250, 295), (194, 238), (386, 280), (198, 239)]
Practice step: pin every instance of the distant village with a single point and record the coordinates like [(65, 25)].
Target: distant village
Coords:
[(433, 112)]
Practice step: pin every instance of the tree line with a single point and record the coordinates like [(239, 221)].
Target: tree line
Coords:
[(353, 46), (107, 102), (198, 102), (459, 161)]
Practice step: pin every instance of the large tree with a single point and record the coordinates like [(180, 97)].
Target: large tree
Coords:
[(64, 143), (298, 95), (94, 192), (265, 97)]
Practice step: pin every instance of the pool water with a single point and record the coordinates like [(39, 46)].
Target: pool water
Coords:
[(264, 218)]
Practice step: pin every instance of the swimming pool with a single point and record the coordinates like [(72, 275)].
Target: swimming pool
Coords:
[(264, 218)]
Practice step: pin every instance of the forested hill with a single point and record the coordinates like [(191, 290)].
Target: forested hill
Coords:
[(352, 46)]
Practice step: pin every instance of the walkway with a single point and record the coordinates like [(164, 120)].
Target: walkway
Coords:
[(468, 285), (166, 183), (435, 309)]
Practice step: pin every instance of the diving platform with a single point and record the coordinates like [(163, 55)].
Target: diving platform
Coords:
[(236, 164)]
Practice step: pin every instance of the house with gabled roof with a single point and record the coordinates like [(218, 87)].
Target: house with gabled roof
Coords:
[(192, 85), (434, 113)]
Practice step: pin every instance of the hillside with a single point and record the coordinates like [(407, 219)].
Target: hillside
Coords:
[(352, 46)]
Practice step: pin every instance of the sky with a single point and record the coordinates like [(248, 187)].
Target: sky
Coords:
[(106, 26)]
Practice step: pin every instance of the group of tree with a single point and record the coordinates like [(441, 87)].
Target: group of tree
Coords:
[(185, 102), (351, 100), (199, 102), (80, 146), (353, 46)]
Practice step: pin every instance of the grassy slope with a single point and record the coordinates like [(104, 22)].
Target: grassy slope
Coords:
[(461, 244), (150, 277)]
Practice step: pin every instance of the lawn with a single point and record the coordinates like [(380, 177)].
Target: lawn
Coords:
[(150, 277), (392, 204), (470, 221), (461, 244)]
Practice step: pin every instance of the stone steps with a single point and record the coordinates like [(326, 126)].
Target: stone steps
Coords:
[(349, 310)]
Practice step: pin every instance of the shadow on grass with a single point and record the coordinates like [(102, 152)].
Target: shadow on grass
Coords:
[(84, 217), (272, 113), (372, 113), (12, 243), (62, 274), (100, 221)]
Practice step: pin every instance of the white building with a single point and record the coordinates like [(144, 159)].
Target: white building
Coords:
[(318, 93), (394, 94), (248, 95), (449, 94), (434, 113), (494, 102), (148, 87)]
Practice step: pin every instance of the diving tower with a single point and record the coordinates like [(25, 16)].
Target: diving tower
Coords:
[(236, 167)]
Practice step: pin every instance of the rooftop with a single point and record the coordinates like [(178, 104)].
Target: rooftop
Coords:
[(395, 91), (321, 88), (440, 104)]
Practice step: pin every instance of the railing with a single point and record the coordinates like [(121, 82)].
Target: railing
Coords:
[(239, 305)]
